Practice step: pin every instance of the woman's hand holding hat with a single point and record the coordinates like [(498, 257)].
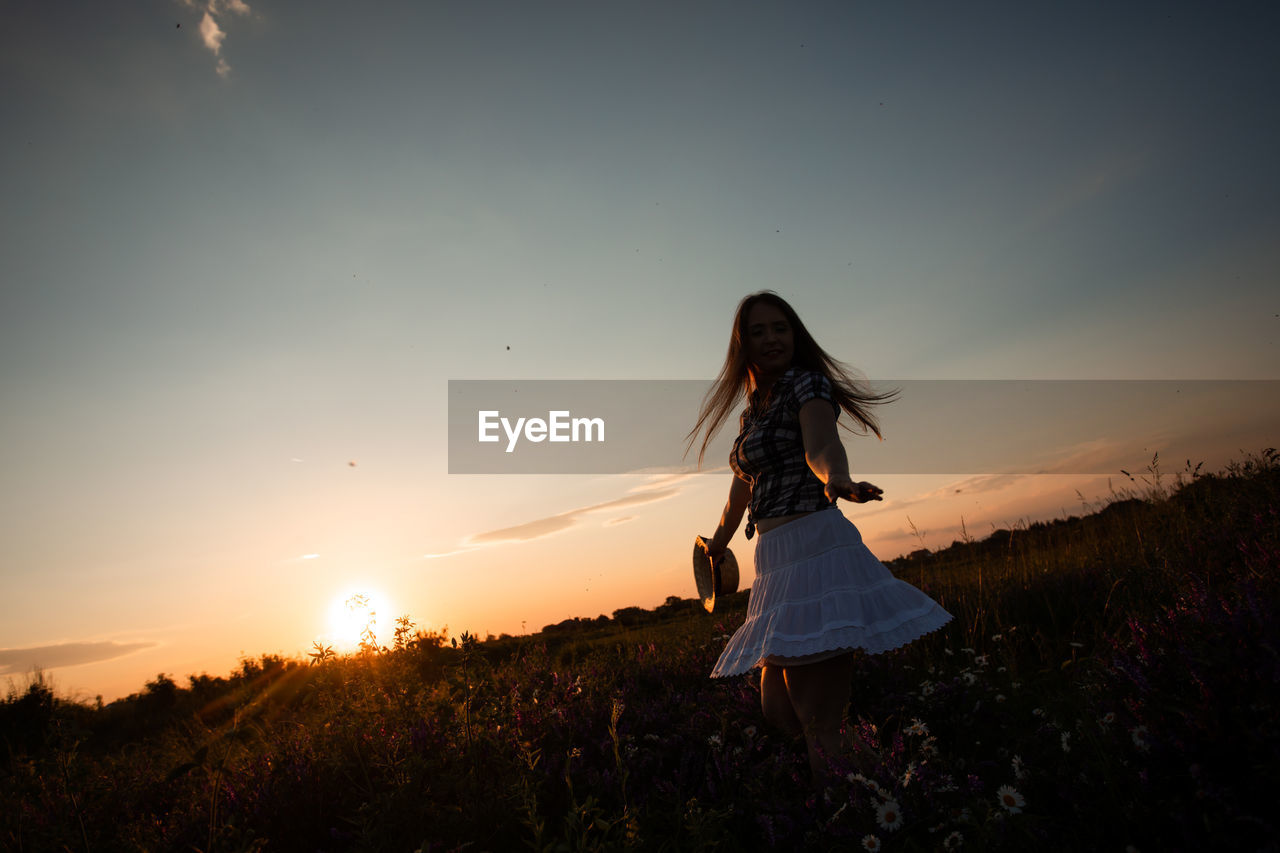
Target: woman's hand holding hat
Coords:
[(715, 552), (715, 571)]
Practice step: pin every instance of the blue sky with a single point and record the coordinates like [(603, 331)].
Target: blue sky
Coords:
[(248, 244)]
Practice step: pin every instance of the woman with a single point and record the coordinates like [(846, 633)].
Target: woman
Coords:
[(819, 593)]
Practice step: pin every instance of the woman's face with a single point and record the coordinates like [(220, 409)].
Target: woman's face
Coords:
[(769, 342)]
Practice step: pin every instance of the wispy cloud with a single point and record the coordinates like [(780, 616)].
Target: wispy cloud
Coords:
[(563, 521), (1097, 178), (64, 654), (211, 32), (657, 490)]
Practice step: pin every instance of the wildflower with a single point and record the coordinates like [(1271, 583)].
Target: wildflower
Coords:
[(889, 816), (1139, 736), (970, 679), (856, 777), (1108, 718), (1002, 669), (1019, 768), (1076, 645), (1015, 685), (1038, 712), (909, 774), (981, 660), (749, 731), (575, 753), (917, 728), (995, 638), (926, 689), (1009, 797), (952, 841), (870, 842), (715, 741), (1000, 697), (1066, 741), (969, 651), (930, 746), (652, 738), (948, 652)]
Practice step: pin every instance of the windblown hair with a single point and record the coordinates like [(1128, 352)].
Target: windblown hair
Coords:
[(738, 380)]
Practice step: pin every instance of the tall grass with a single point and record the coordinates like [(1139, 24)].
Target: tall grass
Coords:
[(1108, 681)]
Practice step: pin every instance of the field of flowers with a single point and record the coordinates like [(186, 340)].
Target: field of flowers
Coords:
[(1110, 682)]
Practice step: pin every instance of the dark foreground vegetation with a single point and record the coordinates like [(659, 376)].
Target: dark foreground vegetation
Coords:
[(1109, 681)]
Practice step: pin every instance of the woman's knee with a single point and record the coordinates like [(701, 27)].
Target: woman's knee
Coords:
[(775, 702), (819, 692)]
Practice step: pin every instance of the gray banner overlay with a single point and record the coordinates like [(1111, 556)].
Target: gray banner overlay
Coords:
[(934, 427)]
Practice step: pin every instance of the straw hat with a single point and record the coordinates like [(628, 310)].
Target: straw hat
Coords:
[(720, 579)]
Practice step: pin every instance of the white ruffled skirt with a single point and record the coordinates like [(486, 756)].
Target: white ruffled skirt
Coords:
[(820, 592)]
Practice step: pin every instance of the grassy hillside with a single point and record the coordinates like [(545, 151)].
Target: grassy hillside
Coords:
[(1109, 680)]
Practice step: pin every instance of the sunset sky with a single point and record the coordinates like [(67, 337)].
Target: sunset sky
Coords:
[(245, 246)]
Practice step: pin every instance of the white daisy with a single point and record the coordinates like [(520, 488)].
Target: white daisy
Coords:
[(871, 843), (953, 841), (889, 816), (1009, 797)]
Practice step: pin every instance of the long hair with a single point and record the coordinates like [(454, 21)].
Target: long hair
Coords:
[(738, 379)]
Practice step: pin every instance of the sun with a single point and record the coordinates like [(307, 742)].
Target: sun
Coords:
[(357, 615)]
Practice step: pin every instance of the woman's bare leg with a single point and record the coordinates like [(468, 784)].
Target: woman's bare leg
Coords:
[(775, 703), (819, 694)]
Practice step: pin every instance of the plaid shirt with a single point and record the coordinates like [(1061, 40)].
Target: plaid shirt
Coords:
[(769, 450)]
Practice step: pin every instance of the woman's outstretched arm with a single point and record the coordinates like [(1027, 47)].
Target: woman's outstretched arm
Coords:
[(826, 457)]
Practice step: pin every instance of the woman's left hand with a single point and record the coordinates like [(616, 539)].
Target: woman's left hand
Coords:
[(845, 487)]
